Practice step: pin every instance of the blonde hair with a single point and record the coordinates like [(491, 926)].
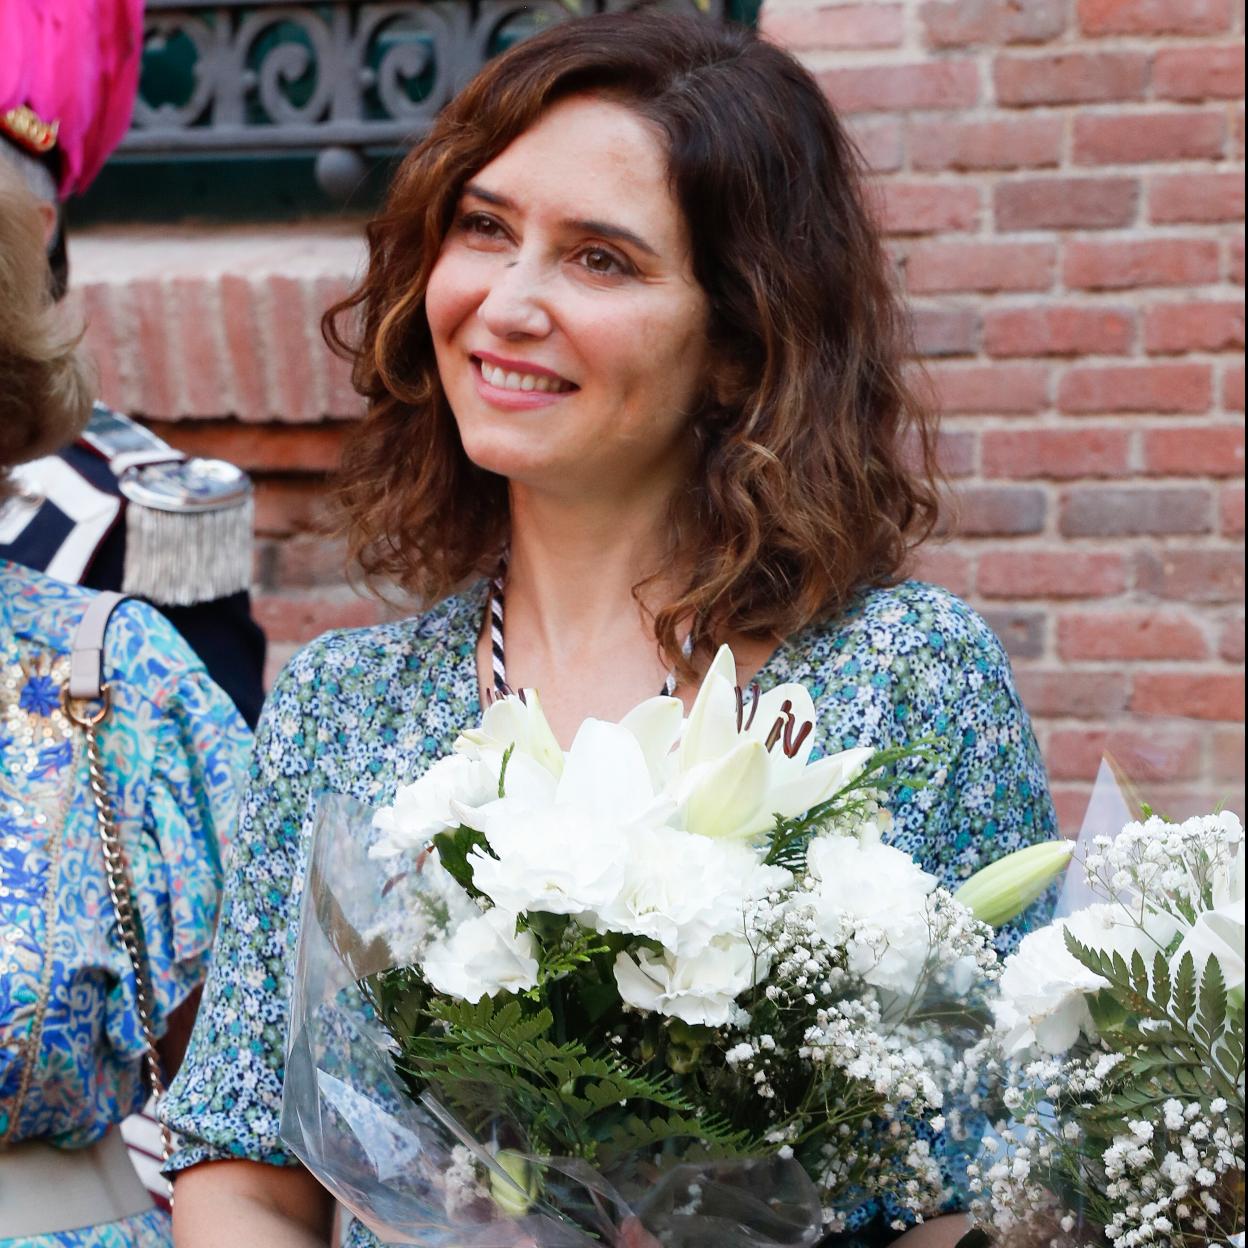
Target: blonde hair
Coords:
[(45, 382)]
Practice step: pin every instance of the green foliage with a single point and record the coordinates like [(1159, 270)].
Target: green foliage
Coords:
[(453, 848), (1174, 1027), (498, 1060)]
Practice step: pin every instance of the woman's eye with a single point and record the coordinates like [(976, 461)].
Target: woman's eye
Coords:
[(481, 226), (605, 263)]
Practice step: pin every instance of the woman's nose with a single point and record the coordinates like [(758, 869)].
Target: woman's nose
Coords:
[(515, 304)]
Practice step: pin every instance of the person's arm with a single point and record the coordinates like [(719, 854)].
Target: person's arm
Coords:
[(938, 1233), (250, 1205)]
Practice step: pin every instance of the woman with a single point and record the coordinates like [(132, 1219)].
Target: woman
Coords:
[(71, 1043), (626, 330)]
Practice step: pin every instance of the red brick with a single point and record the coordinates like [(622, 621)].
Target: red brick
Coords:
[(1070, 803), (1206, 198), (1141, 262), (1235, 261), (1058, 331), (341, 398), (1058, 454), (300, 618), (956, 452), (1231, 511), (939, 565), (241, 326), (1205, 73), (285, 506), (1009, 143), (1191, 574), (1231, 639), (991, 388), (1138, 634), (927, 207), (1214, 451), (984, 510), (1177, 387), (1233, 388), (1194, 325), (200, 367), (840, 29), (1154, 17), (933, 267), (945, 331), (1217, 696), (1065, 203), (1135, 138), (956, 23), (1021, 632), (1128, 510), (305, 562), (260, 448), (895, 88), (1175, 752), (101, 341), (1056, 573), (1228, 753), (155, 394), (879, 142), (1070, 693), (1070, 78), (295, 351)]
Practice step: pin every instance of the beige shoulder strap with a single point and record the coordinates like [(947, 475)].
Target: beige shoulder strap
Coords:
[(86, 664)]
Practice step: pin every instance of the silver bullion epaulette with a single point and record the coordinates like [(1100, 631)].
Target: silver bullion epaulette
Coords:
[(189, 521)]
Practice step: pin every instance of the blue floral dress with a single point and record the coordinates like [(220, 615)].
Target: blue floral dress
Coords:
[(363, 711), (175, 752)]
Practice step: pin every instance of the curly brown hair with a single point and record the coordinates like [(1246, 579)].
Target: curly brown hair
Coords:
[(808, 486), (45, 395)]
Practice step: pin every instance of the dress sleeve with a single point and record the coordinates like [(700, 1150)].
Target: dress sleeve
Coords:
[(226, 1100), (182, 730), (988, 792)]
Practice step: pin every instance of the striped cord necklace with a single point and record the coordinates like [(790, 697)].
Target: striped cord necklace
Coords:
[(498, 658)]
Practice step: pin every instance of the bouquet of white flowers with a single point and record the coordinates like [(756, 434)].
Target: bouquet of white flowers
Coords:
[(673, 974), (1119, 1047)]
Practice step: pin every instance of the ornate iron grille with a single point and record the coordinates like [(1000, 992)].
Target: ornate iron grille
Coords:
[(331, 79)]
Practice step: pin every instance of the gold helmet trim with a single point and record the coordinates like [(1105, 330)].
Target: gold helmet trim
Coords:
[(26, 128)]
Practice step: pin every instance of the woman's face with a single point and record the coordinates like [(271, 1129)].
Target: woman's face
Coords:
[(571, 336)]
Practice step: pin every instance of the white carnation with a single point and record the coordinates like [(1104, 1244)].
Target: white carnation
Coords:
[(424, 808), (701, 989), (873, 899), (481, 957)]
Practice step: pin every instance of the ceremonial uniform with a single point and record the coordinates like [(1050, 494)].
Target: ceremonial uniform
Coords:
[(122, 510)]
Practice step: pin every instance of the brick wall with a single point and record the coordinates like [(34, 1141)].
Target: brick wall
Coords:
[(1062, 181)]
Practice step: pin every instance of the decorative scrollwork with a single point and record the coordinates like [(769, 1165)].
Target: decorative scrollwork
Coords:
[(259, 75)]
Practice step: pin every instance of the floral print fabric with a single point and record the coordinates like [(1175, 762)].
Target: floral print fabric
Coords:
[(364, 711), (174, 752)]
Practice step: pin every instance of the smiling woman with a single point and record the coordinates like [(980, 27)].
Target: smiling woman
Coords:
[(633, 362)]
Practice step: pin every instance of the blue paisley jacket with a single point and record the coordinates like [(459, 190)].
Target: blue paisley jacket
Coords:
[(175, 752)]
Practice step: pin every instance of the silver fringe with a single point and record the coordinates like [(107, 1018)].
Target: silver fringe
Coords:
[(177, 559)]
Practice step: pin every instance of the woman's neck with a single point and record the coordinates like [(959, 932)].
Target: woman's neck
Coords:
[(574, 629)]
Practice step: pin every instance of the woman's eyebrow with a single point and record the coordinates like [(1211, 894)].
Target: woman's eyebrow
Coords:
[(603, 229)]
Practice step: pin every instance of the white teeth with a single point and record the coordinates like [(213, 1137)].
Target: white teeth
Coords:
[(520, 381)]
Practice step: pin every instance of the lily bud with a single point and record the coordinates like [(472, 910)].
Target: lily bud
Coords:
[(1005, 888), (516, 1198)]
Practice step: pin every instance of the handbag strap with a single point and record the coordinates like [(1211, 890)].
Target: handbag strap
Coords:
[(87, 701)]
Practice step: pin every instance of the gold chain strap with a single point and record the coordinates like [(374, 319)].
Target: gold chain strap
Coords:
[(120, 889)]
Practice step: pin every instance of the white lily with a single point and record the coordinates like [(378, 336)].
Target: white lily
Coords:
[(739, 766), (514, 721)]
